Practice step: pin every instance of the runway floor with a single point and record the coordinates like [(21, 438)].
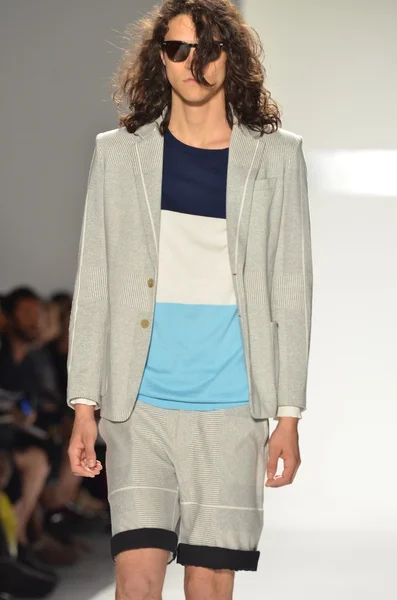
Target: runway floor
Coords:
[(295, 564)]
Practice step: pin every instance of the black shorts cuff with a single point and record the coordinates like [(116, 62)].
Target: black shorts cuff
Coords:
[(146, 537), (217, 558)]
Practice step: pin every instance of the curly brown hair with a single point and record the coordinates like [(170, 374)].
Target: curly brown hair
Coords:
[(142, 83)]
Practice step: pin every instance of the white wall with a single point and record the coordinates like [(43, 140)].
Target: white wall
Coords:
[(56, 61), (332, 66)]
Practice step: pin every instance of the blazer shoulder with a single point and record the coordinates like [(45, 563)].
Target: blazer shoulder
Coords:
[(120, 137), (287, 139), (114, 137), (283, 147)]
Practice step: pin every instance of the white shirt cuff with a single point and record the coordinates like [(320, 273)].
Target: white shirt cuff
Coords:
[(289, 411), (85, 401)]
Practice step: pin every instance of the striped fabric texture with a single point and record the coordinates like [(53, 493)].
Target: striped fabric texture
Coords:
[(190, 477), (196, 356)]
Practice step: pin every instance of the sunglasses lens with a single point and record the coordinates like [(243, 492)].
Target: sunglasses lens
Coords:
[(177, 51)]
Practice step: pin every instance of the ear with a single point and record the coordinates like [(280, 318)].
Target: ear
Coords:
[(162, 56)]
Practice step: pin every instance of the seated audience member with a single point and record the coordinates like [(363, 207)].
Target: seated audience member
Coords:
[(16, 578), (58, 347), (49, 322), (25, 371), (18, 374), (7, 515)]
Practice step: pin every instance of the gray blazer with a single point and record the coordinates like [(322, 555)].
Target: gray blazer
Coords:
[(269, 241)]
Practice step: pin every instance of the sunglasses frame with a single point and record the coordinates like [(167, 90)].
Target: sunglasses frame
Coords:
[(165, 43)]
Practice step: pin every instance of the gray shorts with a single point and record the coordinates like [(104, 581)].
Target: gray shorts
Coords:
[(189, 482)]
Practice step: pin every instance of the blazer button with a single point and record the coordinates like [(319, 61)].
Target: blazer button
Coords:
[(145, 323), (150, 282)]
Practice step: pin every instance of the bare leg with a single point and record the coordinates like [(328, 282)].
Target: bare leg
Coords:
[(208, 584), (140, 574), (5, 469), (34, 469), (66, 488)]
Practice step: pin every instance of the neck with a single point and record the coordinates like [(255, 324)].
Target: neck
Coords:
[(203, 126)]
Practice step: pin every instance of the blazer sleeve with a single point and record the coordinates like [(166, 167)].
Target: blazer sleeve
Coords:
[(90, 297), (292, 282)]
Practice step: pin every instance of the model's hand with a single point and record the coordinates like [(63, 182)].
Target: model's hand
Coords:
[(82, 445), (284, 444)]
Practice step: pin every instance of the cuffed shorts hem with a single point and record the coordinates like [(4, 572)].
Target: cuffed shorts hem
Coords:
[(217, 558), (146, 537)]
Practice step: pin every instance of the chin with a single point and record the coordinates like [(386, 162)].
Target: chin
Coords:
[(195, 98)]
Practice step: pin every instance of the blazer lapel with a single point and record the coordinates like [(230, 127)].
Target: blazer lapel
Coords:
[(245, 152), (147, 160)]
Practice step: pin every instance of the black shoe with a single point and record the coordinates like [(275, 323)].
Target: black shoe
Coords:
[(64, 523), (27, 556), (57, 526), (22, 581)]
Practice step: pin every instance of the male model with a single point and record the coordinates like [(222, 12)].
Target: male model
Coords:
[(191, 316)]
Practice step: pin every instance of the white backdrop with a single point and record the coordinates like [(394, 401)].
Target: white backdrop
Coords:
[(56, 62), (331, 65)]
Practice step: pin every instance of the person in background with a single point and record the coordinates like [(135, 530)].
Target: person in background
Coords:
[(18, 373), (26, 371), (58, 346), (16, 577)]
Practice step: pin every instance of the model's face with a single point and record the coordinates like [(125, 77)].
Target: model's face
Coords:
[(179, 74)]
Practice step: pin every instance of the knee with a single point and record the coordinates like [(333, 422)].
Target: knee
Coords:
[(209, 584), (136, 587), (140, 574), (41, 462), (36, 460)]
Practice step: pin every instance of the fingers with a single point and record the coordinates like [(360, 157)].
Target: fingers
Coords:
[(95, 470), (291, 465), (89, 450), (80, 458), (286, 478), (83, 470), (272, 464)]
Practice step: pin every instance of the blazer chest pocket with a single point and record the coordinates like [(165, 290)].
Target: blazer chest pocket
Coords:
[(105, 363), (275, 347)]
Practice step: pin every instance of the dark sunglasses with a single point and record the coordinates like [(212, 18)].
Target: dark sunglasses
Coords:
[(179, 51)]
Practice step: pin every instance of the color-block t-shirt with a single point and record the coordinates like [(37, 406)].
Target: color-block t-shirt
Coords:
[(196, 357)]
